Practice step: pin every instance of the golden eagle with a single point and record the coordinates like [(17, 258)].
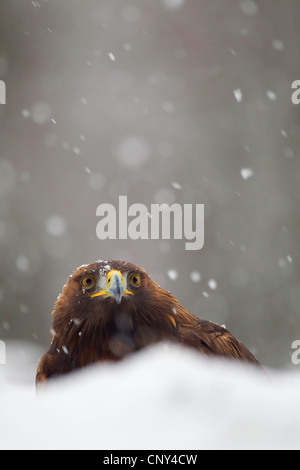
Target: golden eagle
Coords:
[(109, 309)]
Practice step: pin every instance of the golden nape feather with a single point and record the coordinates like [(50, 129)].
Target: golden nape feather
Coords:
[(109, 309)]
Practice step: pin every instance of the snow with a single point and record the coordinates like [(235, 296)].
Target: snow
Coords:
[(56, 225), (195, 276), (76, 150), (249, 7), (176, 185), (238, 95), (212, 283), (173, 4), (133, 151), (246, 173), (96, 181), (40, 113), (22, 263), (282, 262), (165, 397), (173, 274), (23, 308), (278, 45), (25, 113), (127, 46), (271, 95)]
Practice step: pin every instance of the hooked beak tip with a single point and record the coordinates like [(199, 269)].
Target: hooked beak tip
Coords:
[(116, 288)]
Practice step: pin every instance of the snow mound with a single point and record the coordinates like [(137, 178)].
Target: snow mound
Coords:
[(165, 397)]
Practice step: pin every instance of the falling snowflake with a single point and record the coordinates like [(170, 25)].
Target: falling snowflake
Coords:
[(173, 274), (22, 263), (76, 150), (40, 113), (23, 308), (271, 95), (212, 283), (278, 45), (133, 151), (246, 173), (56, 225), (238, 95), (25, 113), (173, 4), (248, 7), (195, 276), (283, 133)]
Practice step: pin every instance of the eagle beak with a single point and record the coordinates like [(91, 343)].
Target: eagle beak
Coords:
[(114, 286)]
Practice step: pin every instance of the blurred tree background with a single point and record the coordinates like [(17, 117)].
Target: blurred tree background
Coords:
[(184, 101)]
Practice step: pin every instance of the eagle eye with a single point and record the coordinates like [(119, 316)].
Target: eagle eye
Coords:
[(135, 279), (88, 281)]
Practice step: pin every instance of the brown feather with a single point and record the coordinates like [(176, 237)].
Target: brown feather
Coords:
[(89, 329)]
